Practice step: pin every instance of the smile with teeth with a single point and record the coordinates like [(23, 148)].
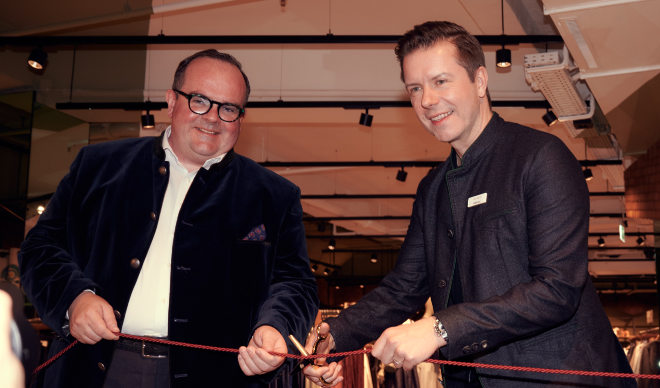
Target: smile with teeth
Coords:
[(441, 116), (207, 131)]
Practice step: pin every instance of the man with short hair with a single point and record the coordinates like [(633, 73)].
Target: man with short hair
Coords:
[(497, 240), (173, 237)]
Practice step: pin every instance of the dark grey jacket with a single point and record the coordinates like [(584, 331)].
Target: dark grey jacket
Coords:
[(522, 261)]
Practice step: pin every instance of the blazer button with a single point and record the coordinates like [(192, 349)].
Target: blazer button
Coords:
[(467, 349), (135, 263), (153, 216), (475, 347), (450, 233), (442, 284), (162, 170), (117, 315), (101, 366), (484, 344)]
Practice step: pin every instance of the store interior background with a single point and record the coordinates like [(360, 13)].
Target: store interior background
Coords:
[(109, 60)]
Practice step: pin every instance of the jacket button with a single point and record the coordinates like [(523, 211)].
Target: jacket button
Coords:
[(153, 216), (117, 315), (467, 349), (162, 170), (442, 284), (135, 263), (475, 347), (101, 366), (484, 344), (450, 233)]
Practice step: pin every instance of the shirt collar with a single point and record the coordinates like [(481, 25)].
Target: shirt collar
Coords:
[(170, 156)]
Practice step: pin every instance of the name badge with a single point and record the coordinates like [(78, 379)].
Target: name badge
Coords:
[(477, 200)]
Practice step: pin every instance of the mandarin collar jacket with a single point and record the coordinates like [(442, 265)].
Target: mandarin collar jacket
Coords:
[(512, 222), (97, 229)]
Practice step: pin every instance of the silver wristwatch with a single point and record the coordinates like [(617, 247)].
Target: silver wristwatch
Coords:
[(440, 330)]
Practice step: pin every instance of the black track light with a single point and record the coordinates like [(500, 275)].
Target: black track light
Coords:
[(148, 121), (373, 258), (366, 118), (550, 118), (503, 57), (588, 175), (601, 242), (401, 175), (37, 59), (641, 241), (332, 244), (315, 267)]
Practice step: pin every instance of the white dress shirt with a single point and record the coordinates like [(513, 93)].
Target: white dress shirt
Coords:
[(147, 311)]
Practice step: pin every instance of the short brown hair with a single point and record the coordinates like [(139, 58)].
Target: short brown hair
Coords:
[(213, 54), (470, 53)]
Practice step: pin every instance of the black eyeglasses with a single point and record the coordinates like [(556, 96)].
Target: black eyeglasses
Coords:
[(201, 104)]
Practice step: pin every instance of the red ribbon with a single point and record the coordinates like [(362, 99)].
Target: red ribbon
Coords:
[(363, 351)]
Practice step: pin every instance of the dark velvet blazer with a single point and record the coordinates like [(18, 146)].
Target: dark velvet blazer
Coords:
[(97, 229), (520, 256)]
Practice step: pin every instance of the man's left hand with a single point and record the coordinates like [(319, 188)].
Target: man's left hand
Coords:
[(409, 344), (255, 359)]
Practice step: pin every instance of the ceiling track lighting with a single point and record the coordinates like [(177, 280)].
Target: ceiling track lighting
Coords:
[(148, 121), (373, 259), (401, 175), (601, 241), (365, 118), (37, 59), (588, 174), (332, 244), (550, 118), (641, 241), (503, 55)]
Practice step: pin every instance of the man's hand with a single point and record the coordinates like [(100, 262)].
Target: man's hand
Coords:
[(91, 319), (321, 373), (409, 344), (255, 359), (11, 370)]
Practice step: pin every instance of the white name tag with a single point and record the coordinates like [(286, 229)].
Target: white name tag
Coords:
[(477, 200)]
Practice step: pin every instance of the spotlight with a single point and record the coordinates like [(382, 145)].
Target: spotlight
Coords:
[(148, 121), (373, 258), (361, 285), (641, 241), (550, 118), (337, 287), (325, 272), (588, 175), (401, 175), (40, 209), (332, 244), (503, 57), (365, 118), (315, 267), (601, 241), (37, 59)]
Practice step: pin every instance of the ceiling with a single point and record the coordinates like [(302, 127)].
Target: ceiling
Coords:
[(613, 44)]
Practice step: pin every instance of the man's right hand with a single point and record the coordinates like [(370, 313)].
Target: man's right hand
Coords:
[(322, 373), (91, 319)]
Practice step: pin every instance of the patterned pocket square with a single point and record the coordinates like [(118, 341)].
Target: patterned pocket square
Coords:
[(256, 234)]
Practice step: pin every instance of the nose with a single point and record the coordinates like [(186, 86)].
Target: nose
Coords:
[(429, 98), (212, 114)]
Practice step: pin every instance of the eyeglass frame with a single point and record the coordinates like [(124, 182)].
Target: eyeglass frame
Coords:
[(187, 96)]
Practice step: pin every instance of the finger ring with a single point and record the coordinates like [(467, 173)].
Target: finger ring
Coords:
[(397, 363), (323, 380)]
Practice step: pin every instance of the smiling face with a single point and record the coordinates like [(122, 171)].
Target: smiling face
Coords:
[(197, 138), (449, 105)]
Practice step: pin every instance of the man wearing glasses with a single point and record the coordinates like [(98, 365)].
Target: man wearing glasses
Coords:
[(173, 237)]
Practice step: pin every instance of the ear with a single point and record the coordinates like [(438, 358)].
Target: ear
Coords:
[(481, 81), (170, 97)]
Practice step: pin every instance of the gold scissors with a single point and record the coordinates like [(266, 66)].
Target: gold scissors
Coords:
[(303, 352)]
